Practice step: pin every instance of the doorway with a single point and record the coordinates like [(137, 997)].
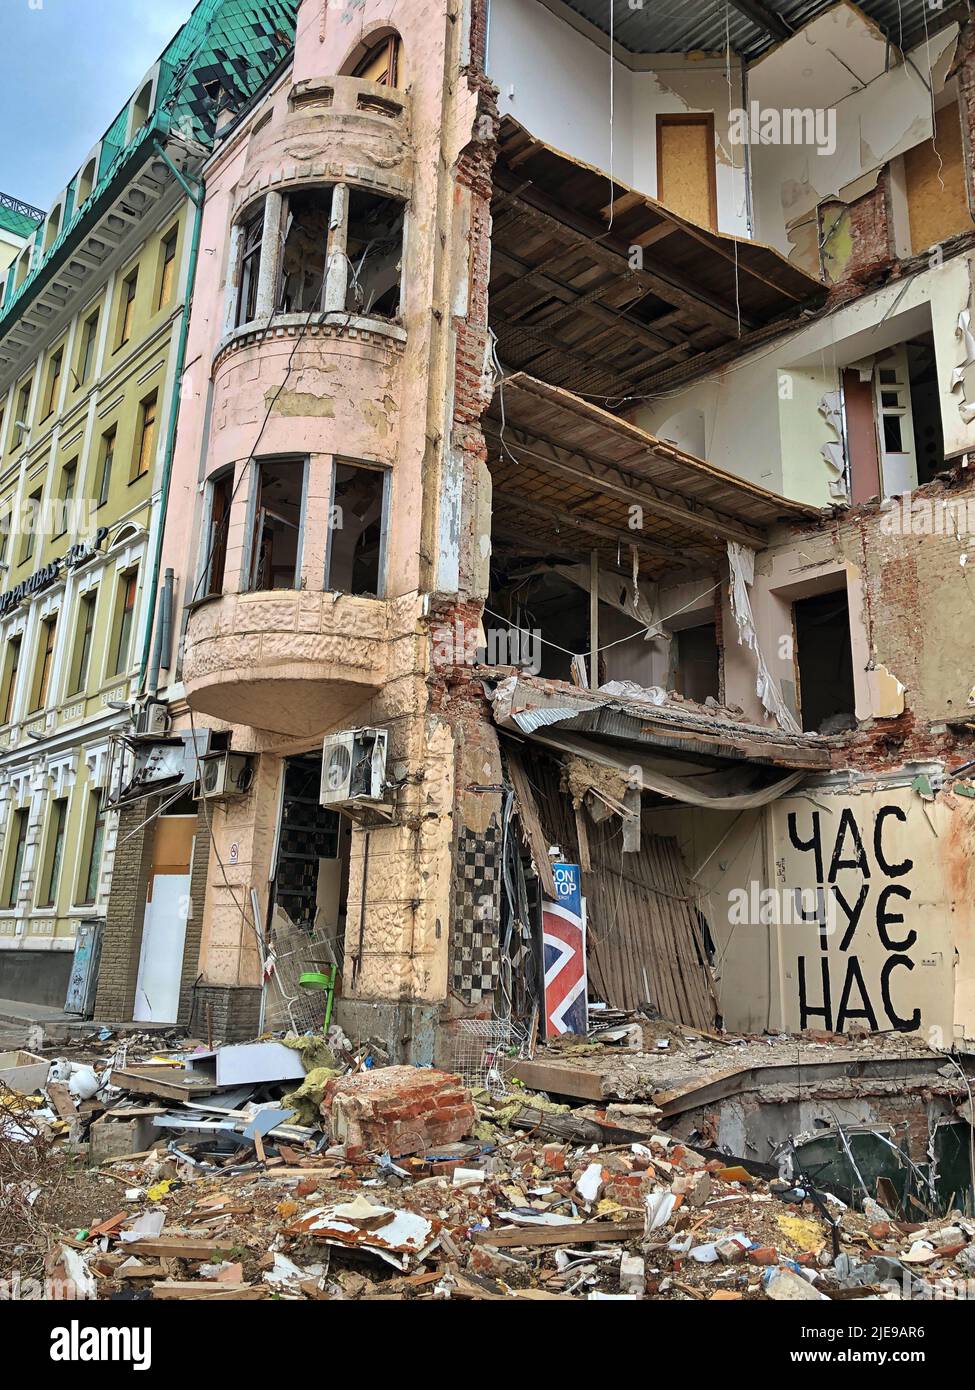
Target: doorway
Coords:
[(166, 911), (824, 657), (311, 877)]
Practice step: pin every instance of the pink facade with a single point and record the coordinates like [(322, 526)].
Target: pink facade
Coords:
[(321, 467)]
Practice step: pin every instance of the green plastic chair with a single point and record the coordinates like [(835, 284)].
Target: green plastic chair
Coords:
[(324, 980)]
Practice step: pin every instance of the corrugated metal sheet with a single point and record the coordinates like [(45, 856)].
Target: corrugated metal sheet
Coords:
[(679, 26)]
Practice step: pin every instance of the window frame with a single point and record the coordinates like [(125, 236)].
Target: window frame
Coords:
[(249, 274), (222, 478), (55, 367), (84, 641), (141, 465), (94, 847), (53, 860), (252, 548), (30, 535), (371, 465), (106, 461), (41, 686), (88, 347), (165, 293), (14, 868), (11, 671), (125, 621), (390, 46), (130, 288)]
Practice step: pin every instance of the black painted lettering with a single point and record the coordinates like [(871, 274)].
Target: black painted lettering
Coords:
[(902, 1025), (814, 843), (887, 919), (848, 825), (805, 1012), (852, 913), (891, 870), (854, 975)]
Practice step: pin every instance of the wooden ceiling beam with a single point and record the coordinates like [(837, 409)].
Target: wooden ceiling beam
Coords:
[(603, 247), (573, 466)]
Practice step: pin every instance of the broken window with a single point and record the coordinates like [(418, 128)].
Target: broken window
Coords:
[(221, 497), (312, 869), (305, 250), (342, 252), (277, 518), (250, 269), (374, 248), (357, 531), (824, 656)]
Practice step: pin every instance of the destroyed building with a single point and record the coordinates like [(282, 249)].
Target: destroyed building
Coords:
[(553, 670), (93, 307), (577, 480), (570, 469)]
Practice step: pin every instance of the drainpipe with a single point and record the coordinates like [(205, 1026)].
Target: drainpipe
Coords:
[(162, 646), (194, 191)]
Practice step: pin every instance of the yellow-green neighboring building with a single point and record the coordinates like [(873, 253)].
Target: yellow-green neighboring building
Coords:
[(92, 344)]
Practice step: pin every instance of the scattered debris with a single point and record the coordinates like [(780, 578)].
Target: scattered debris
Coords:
[(216, 1177)]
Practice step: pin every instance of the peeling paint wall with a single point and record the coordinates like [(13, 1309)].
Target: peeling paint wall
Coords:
[(839, 63), (282, 668), (556, 82), (761, 415)]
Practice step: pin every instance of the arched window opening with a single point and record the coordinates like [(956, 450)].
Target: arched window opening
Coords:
[(53, 228), (141, 108), (382, 62), (86, 182)]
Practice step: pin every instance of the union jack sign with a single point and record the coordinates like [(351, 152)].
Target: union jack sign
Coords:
[(564, 946)]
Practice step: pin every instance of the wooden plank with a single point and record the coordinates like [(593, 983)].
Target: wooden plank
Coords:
[(62, 1100), (181, 1085), (530, 823), (177, 1247), (142, 1271), (563, 1080), (207, 1289), (586, 1233)]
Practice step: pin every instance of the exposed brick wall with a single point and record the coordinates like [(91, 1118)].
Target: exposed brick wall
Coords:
[(919, 600), (866, 227), (455, 690), (194, 922), (964, 69), (122, 940), (226, 1013)]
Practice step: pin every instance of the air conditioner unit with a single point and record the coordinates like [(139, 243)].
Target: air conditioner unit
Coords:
[(153, 720), (354, 768), (224, 774)]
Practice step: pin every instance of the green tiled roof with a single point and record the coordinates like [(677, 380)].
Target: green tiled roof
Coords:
[(236, 43)]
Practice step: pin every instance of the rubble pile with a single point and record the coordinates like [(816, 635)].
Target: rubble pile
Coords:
[(298, 1169)]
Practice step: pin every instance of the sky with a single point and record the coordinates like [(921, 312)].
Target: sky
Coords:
[(66, 69)]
